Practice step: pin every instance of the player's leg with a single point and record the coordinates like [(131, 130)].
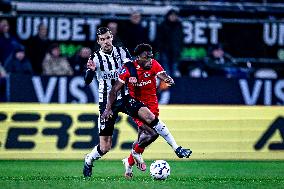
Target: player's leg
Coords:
[(135, 156), (97, 152), (162, 130), (137, 109), (105, 137), (146, 136), (145, 114)]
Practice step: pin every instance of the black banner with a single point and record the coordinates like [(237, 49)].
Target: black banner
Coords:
[(241, 38)]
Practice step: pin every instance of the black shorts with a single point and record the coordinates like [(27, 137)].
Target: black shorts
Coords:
[(127, 105)]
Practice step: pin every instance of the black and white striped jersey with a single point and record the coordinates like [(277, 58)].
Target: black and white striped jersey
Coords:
[(108, 67)]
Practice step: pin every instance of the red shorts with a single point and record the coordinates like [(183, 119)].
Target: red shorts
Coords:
[(153, 107)]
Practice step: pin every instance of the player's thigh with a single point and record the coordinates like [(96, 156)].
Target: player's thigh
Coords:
[(146, 115), (106, 128), (132, 106)]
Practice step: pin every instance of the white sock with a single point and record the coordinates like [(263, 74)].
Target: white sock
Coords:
[(163, 131), (91, 157)]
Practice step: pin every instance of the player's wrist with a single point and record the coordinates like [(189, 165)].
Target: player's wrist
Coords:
[(108, 108)]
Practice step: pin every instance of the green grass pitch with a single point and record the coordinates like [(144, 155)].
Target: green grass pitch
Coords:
[(109, 174)]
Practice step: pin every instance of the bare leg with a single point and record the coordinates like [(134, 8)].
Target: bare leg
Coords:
[(147, 136)]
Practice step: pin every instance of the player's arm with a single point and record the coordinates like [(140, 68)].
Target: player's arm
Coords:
[(166, 78), (111, 98), (90, 72)]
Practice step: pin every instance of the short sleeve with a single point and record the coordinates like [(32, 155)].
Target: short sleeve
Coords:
[(96, 61), (124, 74), (157, 67)]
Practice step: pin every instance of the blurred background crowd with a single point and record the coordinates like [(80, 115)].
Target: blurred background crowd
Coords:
[(196, 39)]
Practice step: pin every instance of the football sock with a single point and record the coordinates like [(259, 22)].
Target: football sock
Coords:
[(131, 160), (95, 154), (163, 131), (138, 149)]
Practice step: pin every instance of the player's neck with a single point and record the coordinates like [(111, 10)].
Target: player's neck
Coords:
[(108, 52)]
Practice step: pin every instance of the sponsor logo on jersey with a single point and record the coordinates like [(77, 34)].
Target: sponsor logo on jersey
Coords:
[(142, 83), (132, 80), (110, 75)]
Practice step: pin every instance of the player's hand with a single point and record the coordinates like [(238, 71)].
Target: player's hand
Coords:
[(107, 115), (91, 65), (169, 81)]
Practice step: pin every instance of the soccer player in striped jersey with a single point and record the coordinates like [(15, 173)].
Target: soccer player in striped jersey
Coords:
[(106, 63)]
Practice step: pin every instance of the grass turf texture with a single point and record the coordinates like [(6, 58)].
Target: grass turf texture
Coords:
[(109, 174)]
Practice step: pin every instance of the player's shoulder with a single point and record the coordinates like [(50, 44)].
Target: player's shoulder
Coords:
[(121, 48), (155, 62), (97, 53)]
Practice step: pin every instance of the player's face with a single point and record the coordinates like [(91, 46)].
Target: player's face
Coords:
[(105, 41), (145, 60)]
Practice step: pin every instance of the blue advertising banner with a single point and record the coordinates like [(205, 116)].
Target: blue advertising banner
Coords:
[(186, 91), (227, 91)]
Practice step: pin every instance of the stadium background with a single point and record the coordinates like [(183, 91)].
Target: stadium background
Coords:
[(239, 117), (232, 119)]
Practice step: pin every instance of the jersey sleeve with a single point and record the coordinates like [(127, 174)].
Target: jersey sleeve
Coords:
[(124, 75), (95, 59), (157, 67)]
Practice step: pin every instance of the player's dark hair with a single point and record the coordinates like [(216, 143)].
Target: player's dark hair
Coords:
[(102, 30), (142, 48)]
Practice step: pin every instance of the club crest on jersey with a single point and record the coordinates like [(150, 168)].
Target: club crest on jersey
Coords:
[(146, 75), (132, 80), (123, 71)]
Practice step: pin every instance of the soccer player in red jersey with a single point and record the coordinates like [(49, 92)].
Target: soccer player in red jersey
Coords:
[(144, 90)]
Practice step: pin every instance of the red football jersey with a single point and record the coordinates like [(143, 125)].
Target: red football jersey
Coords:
[(145, 89)]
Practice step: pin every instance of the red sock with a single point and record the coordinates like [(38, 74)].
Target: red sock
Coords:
[(138, 149), (131, 160)]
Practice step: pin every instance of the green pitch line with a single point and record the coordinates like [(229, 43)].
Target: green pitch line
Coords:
[(109, 174)]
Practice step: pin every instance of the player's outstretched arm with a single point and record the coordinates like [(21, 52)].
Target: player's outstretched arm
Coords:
[(166, 78), (111, 98)]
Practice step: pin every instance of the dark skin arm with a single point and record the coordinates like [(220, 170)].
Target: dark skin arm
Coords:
[(166, 78), (111, 98)]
